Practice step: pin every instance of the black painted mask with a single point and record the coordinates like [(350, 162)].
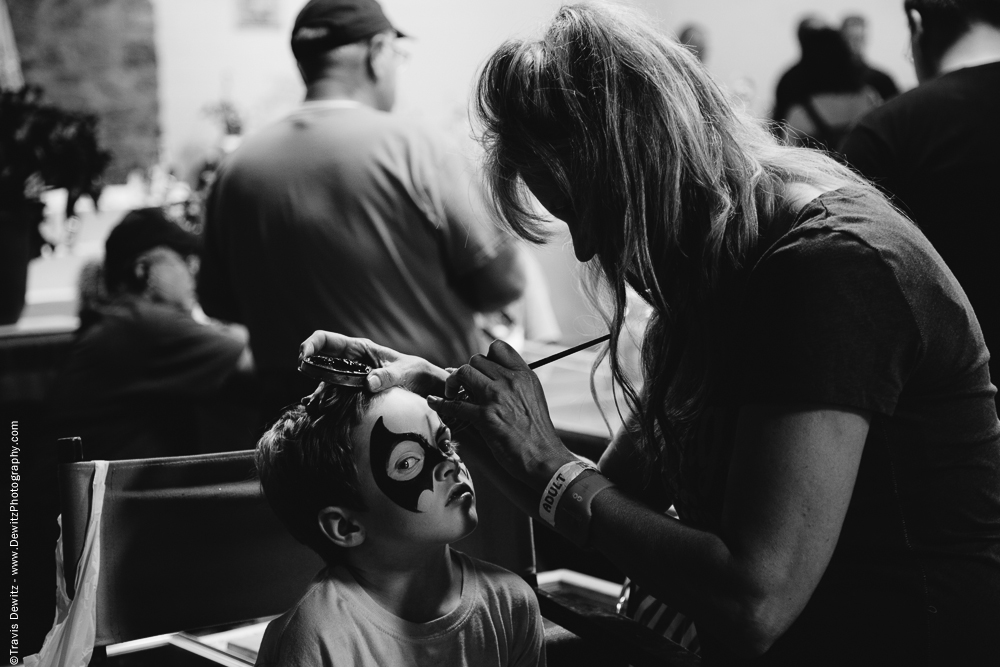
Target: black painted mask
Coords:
[(404, 492)]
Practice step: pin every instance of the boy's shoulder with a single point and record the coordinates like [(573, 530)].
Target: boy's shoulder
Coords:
[(493, 581), (300, 634), (492, 571), (335, 621)]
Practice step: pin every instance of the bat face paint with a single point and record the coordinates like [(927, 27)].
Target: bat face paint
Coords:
[(403, 464)]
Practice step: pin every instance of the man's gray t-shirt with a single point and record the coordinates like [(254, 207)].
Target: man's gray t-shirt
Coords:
[(345, 218)]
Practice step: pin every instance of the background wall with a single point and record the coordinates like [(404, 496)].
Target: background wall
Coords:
[(208, 51)]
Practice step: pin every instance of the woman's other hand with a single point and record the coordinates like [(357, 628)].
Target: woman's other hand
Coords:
[(506, 405), (391, 368)]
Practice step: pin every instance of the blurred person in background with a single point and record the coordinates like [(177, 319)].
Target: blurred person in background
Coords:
[(143, 370), (795, 82), (694, 37), (936, 148), (854, 29), (834, 96), (345, 216)]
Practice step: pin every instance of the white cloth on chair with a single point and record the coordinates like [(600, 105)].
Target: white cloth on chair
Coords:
[(70, 642)]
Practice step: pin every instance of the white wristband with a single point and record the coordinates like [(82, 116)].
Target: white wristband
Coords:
[(556, 487)]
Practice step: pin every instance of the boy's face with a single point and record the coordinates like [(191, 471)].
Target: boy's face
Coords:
[(416, 487)]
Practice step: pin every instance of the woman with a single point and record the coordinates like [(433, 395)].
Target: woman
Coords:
[(816, 401)]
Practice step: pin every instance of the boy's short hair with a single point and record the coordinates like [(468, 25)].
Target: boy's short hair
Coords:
[(306, 463)]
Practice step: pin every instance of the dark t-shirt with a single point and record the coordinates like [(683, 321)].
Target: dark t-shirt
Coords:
[(794, 85), (135, 380), (853, 307), (936, 149), (881, 82)]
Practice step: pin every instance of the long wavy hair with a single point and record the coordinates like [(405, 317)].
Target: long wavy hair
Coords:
[(673, 180)]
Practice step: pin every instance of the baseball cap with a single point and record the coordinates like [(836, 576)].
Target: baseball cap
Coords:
[(326, 24), (139, 231)]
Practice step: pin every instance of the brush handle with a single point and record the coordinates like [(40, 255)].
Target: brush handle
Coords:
[(565, 353)]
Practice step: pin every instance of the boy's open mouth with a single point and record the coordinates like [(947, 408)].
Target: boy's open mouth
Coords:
[(458, 491)]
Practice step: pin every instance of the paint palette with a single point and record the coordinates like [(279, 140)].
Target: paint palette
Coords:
[(334, 370)]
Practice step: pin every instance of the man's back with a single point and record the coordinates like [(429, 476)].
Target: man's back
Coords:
[(350, 219), (935, 150)]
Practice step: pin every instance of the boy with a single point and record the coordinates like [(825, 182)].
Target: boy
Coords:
[(373, 483)]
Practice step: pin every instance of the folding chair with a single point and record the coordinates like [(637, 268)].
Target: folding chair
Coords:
[(190, 542)]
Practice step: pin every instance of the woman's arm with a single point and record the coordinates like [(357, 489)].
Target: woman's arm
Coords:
[(625, 465), (790, 483)]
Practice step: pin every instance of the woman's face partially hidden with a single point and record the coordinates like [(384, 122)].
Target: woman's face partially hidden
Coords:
[(548, 195), (415, 485)]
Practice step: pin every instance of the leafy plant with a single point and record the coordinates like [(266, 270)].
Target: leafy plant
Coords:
[(42, 147)]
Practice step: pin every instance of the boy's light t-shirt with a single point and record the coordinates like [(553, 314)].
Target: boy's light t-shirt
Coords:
[(336, 623)]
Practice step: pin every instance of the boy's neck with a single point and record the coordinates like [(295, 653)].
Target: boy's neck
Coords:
[(417, 587)]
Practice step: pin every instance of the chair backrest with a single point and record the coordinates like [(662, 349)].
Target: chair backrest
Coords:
[(29, 363), (186, 542), (190, 542)]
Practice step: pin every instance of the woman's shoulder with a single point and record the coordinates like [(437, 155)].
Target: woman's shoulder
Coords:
[(854, 221), (850, 246)]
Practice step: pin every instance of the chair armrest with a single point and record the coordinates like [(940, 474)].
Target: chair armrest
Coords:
[(612, 634)]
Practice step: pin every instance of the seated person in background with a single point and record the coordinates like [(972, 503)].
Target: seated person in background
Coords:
[(837, 95), (374, 485), (143, 369)]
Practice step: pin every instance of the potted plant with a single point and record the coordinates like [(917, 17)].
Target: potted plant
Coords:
[(41, 147)]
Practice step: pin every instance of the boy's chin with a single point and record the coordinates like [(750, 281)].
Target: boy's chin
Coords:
[(471, 522)]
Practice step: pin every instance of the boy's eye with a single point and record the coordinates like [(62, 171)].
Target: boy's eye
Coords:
[(408, 463), (405, 462)]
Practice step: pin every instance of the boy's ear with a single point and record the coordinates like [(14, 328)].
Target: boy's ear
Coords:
[(341, 526)]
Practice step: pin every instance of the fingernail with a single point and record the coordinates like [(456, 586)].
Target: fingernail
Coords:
[(374, 382), (433, 400)]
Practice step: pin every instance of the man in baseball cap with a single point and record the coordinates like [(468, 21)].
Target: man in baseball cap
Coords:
[(345, 216), (323, 25)]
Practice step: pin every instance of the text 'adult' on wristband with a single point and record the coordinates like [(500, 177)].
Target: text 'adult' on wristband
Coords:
[(556, 487)]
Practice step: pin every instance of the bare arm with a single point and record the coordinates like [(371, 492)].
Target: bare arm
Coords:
[(624, 465), (790, 484)]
